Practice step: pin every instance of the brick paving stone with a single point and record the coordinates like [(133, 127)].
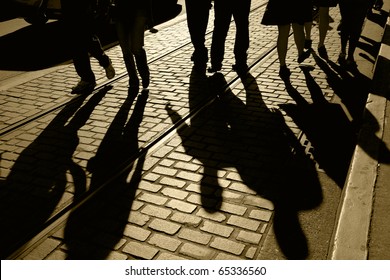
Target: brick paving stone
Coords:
[(189, 176), (233, 209), (251, 252), (44, 249), (164, 226), (216, 216), (196, 251), (173, 182), (227, 245), (186, 219), (263, 215), (194, 236), (181, 206), (165, 171), (217, 229), (138, 218), (249, 237), (155, 211), (259, 202), (243, 223), (57, 255), (115, 256), (164, 242), (144, 185), (174, 193), (152, 198), (137, 233), (143, 251)]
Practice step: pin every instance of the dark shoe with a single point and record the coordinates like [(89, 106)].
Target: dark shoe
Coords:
[(200, 57), (241, 69), (323, 53), (83, 87), (308, 44), (284, 72), (341, 60), (214, 69), (350, 64), (110, 71), (303, 56)]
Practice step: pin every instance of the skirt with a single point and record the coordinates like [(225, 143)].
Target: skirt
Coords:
[(282, 12)]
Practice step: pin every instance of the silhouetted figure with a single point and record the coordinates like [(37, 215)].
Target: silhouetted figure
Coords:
[(353, 13), (197, 19), (224, 11), (80, 24), (131, 21), (323, 10), (284, 14)]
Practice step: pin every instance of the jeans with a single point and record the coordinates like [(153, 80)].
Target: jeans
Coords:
[(130, 32), (80, 30), (197, 20), (224, 11)]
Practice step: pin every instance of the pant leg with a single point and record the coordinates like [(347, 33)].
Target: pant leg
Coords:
[(137, 47), (96, 51), (223, 15), (123, 28), (197, 20), (241, 12), (81, 39)]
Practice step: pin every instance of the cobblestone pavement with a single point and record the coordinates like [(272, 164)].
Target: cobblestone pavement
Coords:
[(235, 181)]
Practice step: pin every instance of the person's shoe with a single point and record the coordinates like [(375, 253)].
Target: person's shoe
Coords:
[(350, 64), (341, 60), (308, 43), (302, 57), (241, 69), (110, 71), (284, 72), (214, 69), (323, 53), (84, 87)]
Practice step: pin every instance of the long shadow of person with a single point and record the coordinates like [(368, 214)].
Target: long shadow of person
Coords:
[(258, 144), (115, 171), (352, 87), (209, 186), (33, 192), (326, 127)]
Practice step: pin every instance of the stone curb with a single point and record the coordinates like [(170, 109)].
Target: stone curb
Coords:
[(351, 234)]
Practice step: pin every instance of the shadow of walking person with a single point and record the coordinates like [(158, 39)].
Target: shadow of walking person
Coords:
[(116, 172), (326, 126), (34, 191), (209, 186), (255, 141)]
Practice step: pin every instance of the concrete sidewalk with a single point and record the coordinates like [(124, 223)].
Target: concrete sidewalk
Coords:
[(362, 230)]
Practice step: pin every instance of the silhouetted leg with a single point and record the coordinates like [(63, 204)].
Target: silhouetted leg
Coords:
[(222, 20), (241, 17), (123, 30), (137, 48), (96, 50), (197, 20)]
